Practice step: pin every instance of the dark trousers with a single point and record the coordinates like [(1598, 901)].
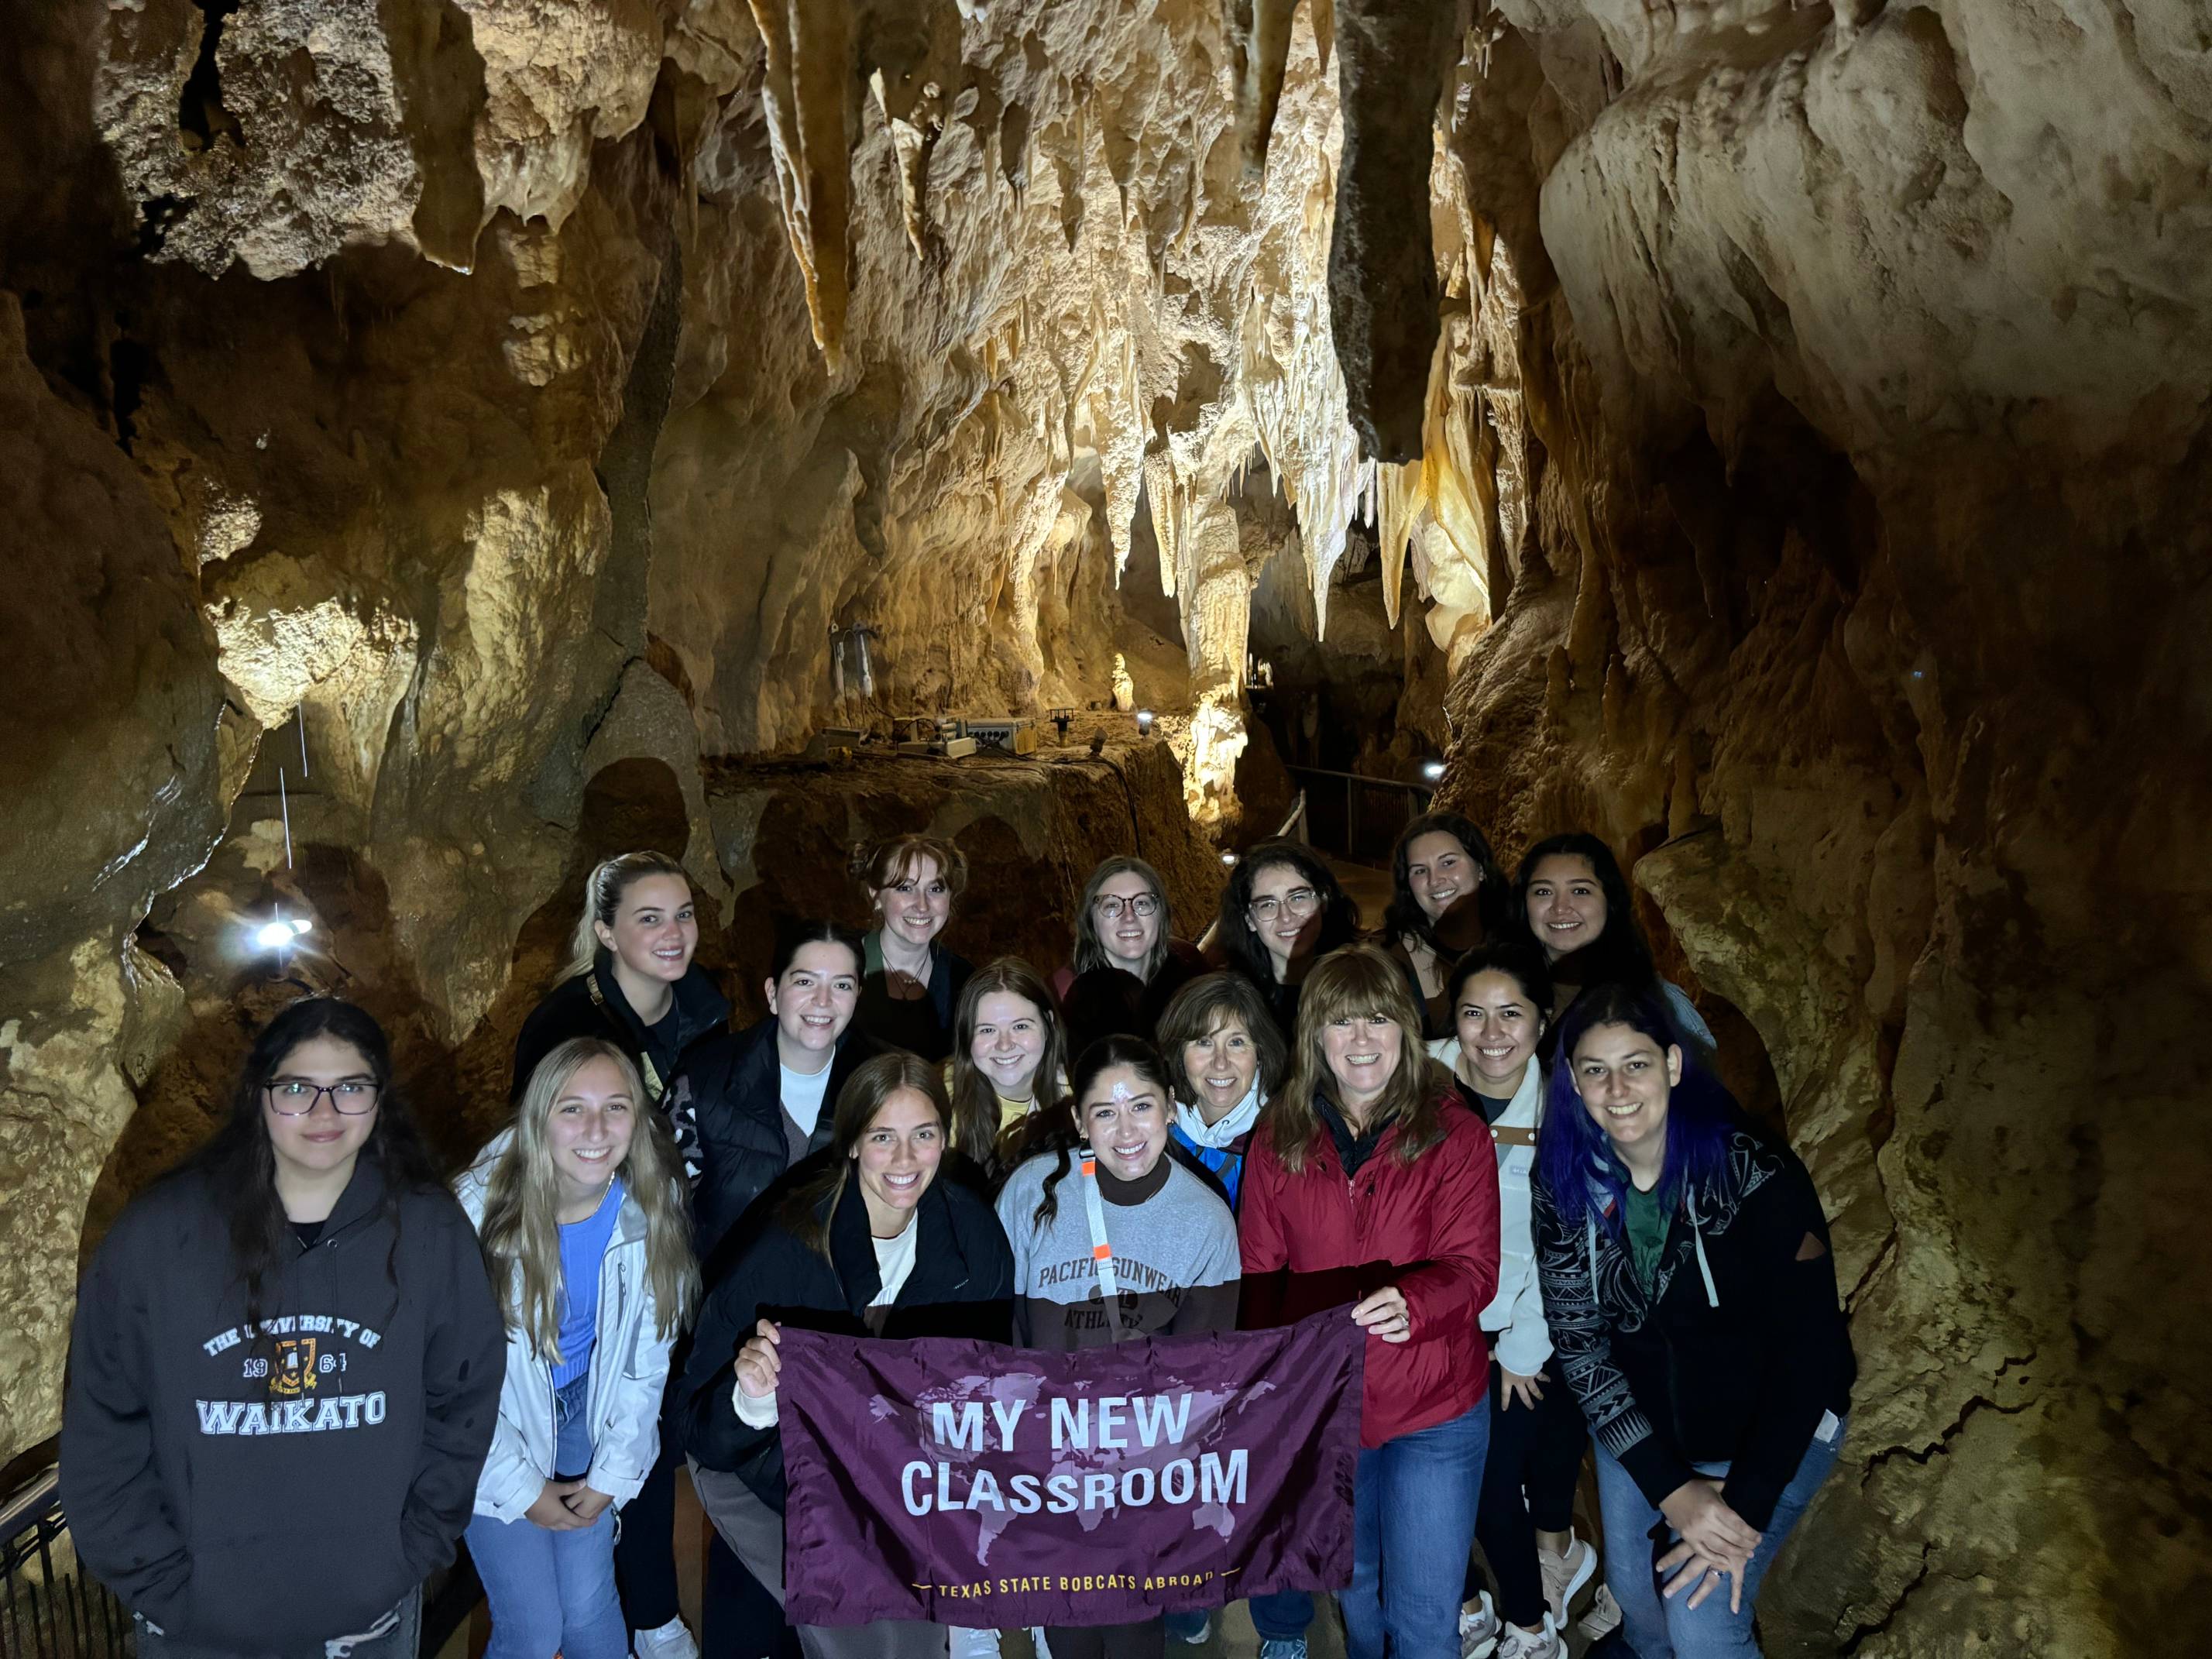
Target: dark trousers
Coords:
[(740, 1619), (1144, 1641), (1528, 1487)]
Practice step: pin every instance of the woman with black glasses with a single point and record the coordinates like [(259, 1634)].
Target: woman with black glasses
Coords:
[(1123, 927), (297, 1320), (1282, 910)]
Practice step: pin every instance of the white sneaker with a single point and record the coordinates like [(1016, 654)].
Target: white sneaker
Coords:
[(1604, 1617), (1545, 1643), (672, 1641), (1478, 1628), (1565, 1574)]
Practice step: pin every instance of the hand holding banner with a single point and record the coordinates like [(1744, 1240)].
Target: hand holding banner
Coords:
[(972, 1484)]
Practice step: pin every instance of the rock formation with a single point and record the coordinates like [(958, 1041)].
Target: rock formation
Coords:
[(1793, 419)]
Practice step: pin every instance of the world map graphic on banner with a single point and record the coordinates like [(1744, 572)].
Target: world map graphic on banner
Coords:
[(974, 1484)]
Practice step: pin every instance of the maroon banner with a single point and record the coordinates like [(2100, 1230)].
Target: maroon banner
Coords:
[(969, 1483)]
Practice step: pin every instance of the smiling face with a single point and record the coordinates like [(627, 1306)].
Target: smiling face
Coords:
[(655, 930), (1009, 1039), (896, 1159), (1498, 1029), (1125, 1114), (322, 1142), (813, 1004), (1566, 904), (1439, 871), (1221, 1066), (1362, 1051), (588, 1133), (1624, 1078), (915, 907), (1284, 909), (1125, 937)]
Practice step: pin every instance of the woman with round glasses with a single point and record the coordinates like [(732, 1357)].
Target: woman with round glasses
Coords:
[(1282, 910), (1123, 922), (301, 1308)]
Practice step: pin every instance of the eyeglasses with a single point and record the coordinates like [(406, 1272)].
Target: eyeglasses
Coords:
[(1300, 902), (1111, 905), (292, 1098)]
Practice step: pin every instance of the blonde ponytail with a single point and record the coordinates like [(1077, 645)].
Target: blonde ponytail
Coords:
[(603, 897)]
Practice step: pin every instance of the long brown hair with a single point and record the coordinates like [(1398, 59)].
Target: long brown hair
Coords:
[(240, 1165), (1090, 950), (805, 1213), (1356, 982), (974, 1103), (522, 1203)]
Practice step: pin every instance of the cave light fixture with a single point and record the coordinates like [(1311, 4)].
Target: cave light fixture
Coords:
[(1433, 771), (1145, 717), (281, 933), (1229, 859)]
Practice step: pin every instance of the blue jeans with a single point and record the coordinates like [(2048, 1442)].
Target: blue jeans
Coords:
[(1660, 1628), (553, 1592), (1413, 1524), (1283, 1615)]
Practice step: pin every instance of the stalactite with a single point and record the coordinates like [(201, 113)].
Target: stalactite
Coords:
[(1392, 56), (1259, 39), (809, 62)]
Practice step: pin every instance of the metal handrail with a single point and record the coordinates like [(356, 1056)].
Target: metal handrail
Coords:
[(1292, 828), (1407, 784), (1419, 795), (48, 1611)]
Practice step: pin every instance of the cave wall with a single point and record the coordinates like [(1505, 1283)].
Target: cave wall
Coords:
[(1866, 354), (1774, 435)]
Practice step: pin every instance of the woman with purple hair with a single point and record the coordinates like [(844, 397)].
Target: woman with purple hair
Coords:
[(1690, 1292)]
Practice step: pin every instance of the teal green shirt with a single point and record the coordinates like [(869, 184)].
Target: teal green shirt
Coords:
[(1644, 1218)]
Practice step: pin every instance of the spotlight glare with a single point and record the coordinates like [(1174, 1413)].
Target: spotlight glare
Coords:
[(1145, 721), (274, 935), (1229, 859), (1433, 771)]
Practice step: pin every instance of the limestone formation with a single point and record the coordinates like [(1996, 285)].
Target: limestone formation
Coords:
[(1792, 420)]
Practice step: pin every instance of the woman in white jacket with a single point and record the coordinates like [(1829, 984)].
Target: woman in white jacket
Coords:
[(581, 1208), (1501, 1000)]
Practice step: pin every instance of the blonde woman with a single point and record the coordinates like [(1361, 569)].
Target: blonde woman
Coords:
[(630, 977), (581, 1208)]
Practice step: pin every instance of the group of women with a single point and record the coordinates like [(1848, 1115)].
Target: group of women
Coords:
[(1491, 1136)]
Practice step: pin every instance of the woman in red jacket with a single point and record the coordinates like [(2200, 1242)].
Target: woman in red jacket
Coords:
[(1369, 1183)]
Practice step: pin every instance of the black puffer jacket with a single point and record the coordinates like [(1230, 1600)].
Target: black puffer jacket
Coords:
[(571, 1010), (730, 1093), (962, 1285)]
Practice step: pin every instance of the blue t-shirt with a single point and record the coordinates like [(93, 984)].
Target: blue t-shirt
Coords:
[(583, 1247)]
